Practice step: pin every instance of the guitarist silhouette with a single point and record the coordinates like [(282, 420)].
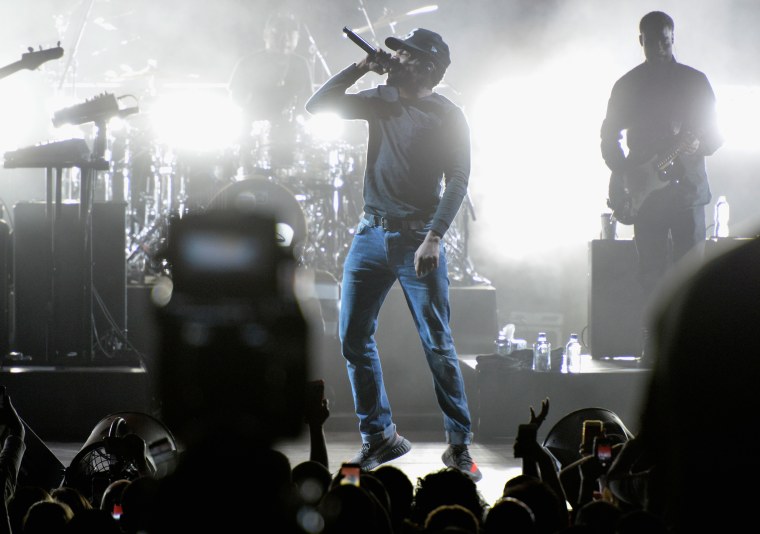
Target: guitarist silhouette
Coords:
[(666, 113)]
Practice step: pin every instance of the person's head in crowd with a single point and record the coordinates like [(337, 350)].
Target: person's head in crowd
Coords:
[(511, 515), (24, 497), (446, 486), (45, 517), (71, 496), (452, 515)]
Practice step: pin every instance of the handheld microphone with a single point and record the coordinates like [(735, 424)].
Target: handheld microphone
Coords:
[(379, 57)]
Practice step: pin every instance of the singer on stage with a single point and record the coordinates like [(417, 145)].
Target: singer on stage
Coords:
[(416, 176)]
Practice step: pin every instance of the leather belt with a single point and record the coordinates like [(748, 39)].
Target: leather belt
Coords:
[(394, 225)]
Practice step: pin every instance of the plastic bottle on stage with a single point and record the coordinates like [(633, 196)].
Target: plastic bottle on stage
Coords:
[(721, 217), (503, 343), (542, 354), (506, 343), (572, 358)]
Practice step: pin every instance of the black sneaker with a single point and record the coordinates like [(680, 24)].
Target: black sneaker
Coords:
[(372, 456), (459, 456)]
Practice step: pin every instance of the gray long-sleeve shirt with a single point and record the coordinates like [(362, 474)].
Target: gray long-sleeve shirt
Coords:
[(418, 154), (652, 102)]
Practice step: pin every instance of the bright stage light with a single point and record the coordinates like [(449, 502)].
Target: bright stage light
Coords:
[(196, 120), (739, 114), (421, 10), (538, 178), (324, 127), (15, 102)]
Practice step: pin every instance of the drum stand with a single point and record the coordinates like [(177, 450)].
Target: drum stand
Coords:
[(98, 163), (461, 269)]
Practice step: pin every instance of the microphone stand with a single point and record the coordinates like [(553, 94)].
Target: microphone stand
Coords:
[(369, 22), (317, 54), (474, 276), (73, 49)]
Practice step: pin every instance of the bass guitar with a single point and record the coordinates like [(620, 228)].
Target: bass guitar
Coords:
[(629, 189), (32, 60)]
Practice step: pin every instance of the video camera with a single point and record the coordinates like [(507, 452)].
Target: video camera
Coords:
[(233, 341)]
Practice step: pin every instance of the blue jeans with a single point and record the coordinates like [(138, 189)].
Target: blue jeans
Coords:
[(376, 259)]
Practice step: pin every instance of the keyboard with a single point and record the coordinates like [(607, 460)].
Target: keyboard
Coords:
[(67, 153)]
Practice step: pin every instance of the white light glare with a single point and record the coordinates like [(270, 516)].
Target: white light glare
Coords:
[(196, 120), (424, 9), (324, 127), (739, 114)]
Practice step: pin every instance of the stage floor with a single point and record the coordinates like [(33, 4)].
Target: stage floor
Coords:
[(495, 460)]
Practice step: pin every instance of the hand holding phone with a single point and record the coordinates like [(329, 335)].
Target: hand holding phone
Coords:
[(591, 429), (603, 450), (350, 474)]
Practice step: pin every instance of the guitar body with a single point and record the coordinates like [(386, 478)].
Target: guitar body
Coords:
[(629, 190)]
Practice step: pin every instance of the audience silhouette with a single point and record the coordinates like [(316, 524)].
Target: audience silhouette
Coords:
[(445, 487), (23, 498), (599, 515), (349, 508), (452, 516), (47, 517), (549, 509), (71, 496), (93, 521), (702, 391), (509, 515), (111, 499), (401, 492)]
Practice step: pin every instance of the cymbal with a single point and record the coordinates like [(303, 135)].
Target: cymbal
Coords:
[(390, 18), (127, 73)]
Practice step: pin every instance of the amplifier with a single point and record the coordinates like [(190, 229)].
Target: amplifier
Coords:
[(615, 305), (34, 260)]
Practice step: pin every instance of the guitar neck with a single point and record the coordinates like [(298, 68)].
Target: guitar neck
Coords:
[(32, 60), (10, 69), (667, 160)]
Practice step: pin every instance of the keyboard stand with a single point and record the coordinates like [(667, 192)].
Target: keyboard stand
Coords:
[(43, 156)]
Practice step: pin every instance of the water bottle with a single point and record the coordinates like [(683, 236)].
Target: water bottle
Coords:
[(503, 344), (721, 217), (542, 354), (506, 343), (572, 359)]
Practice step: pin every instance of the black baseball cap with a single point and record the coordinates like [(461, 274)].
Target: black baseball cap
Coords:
[(425, 42)]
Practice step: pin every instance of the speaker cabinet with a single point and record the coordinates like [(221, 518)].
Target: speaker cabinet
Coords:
[(50, 277), (615, 300)]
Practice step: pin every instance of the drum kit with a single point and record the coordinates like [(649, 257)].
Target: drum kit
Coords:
[(312, 187)]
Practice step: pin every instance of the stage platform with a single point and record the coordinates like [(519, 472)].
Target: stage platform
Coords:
[(506, 393), (65, 403)]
